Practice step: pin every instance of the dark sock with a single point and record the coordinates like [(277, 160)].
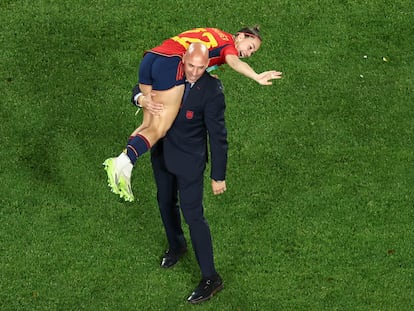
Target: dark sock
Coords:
[(137, 146)]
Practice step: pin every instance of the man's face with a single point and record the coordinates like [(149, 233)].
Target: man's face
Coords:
[(194, 67)]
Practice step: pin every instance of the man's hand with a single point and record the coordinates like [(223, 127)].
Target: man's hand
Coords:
[(218, 186), (153, 107), (265, 77)]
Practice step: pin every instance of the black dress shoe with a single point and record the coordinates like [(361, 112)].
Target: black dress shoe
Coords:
[(170, 258), (206, 289)]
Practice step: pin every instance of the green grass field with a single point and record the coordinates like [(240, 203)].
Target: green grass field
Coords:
[(319, 209)]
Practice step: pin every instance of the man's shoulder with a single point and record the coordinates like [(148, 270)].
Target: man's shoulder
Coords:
[(212, 82)]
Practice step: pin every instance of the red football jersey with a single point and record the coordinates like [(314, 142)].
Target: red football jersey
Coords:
[(218, 42)]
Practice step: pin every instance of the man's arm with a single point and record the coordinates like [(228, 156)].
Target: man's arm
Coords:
[(216, 127), (136, 93)]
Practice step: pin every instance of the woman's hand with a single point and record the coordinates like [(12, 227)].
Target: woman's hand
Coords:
[(265, 77)]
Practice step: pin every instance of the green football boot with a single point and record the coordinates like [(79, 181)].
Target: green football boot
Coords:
[(124, 188), (113, 175)]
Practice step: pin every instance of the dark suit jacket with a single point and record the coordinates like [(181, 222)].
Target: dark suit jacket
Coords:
[(199, 120)]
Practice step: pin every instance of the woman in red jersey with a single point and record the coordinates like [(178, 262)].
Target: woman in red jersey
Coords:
[(161, 81)]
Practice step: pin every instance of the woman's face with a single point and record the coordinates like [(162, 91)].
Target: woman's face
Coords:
[(247, 45)]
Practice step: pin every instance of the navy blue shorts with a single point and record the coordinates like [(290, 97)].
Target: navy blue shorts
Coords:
[(162, 72)]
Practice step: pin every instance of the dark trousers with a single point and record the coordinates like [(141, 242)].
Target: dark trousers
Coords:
[(191, 204)]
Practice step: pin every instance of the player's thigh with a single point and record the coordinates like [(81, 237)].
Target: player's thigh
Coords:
[(171, 99), (159, 125)]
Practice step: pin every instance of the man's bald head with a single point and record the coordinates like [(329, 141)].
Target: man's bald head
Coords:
[(197, 50), (195, 61)]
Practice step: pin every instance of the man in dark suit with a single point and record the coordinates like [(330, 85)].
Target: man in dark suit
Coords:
[(179, 161)]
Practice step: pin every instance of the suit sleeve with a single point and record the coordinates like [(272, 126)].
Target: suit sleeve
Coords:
[(217, 132), (135, 91)]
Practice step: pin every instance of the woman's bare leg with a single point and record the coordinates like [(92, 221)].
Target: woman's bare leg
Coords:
[(147, 117), (157, 126), (151, 130)]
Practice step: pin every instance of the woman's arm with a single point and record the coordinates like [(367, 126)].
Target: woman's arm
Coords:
[(241, 67)]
